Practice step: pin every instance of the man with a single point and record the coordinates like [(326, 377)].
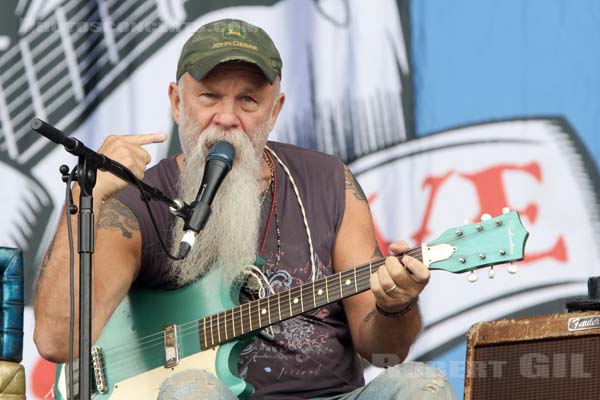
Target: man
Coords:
[(280, 202)]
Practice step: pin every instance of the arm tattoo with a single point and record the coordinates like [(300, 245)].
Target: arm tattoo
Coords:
[(46, 258), (352, 184), (115, 215)]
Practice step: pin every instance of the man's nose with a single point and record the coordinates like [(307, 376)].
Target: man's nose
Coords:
[(225, 117)]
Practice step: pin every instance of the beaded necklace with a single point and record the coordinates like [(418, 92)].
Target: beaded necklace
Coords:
[(273, 212)]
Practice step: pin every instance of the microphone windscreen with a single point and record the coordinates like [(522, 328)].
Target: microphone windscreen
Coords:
[(223, 151)]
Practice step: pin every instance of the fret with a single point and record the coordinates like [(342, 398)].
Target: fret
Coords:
[(269, 310), (85, 12), (125, 38), (67, 43), (250, 315), (301, 299), (212, 338), (355, 281), (341, 288), (233, 321), (7, 128), (109, 34), (205, 334), (320, 293), (14, 75), (327, 288), (348, 280), (241, 320), (259, 311), (47, 51), (218, 329), (121, 11), (290, 301), (279, 305), (36, 97), (313, 294)]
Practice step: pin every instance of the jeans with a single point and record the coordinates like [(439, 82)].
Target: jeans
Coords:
[(407, 381)]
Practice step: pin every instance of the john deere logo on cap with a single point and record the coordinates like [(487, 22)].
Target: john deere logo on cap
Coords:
[(233, 31)]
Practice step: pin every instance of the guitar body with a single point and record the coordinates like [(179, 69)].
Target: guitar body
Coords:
[(132, 342)]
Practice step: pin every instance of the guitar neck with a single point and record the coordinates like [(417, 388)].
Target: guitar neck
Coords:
[(258, 314)]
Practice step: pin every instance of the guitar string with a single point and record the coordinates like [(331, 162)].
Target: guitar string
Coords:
[(158, 357), (197, 327), (375, 263), (123, 360), (223, 323), (255, 310), (253, 314)]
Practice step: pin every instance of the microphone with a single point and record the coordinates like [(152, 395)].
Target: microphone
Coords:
[(218, 164)]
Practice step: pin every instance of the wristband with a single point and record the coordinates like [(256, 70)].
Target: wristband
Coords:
[(397, 314)]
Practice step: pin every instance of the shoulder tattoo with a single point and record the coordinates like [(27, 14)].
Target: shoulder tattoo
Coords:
[(353, 185), (116, 216)]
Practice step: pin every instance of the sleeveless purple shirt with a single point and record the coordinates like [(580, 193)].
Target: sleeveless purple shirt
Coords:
[(311, 355)]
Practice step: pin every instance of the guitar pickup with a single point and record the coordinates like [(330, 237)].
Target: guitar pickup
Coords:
[(170, 343)]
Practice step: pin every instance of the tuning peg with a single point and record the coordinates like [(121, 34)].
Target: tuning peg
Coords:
[(472, 277), (505, 210), (491, 273), (512, 269), (485, 217)]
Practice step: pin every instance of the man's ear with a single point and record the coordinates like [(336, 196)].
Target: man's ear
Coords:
[(174, 100), (278, 106)]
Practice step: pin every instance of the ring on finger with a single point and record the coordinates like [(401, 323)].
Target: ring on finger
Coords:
[(390, 290)]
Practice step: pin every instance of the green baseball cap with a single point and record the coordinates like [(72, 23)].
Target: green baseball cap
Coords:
[(228, 40)]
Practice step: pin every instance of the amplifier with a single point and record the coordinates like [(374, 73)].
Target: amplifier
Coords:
[(552, 357)]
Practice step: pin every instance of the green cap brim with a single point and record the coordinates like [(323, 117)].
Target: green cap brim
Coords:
[(202, 67)]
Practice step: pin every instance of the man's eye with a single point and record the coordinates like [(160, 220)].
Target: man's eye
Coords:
[(208, 95), (248, 99)]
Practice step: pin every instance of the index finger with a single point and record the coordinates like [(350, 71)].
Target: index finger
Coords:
[(145, 138), (398, 247)]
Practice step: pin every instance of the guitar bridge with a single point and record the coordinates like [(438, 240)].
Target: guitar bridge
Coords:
[(98, 368), (171, 352)]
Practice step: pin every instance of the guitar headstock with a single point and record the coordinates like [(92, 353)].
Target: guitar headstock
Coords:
[(494, 240)]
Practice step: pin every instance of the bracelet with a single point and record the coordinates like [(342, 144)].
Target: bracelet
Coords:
[(397, 314)]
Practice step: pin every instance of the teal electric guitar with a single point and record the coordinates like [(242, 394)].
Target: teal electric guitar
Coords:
[(156, 333)]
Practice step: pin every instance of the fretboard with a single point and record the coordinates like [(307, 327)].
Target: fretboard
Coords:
[(258, 314)]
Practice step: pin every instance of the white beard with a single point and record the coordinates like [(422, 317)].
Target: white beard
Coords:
[(230, 235)]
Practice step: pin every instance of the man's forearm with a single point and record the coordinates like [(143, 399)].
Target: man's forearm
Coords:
[(385, 341), (51, 301)]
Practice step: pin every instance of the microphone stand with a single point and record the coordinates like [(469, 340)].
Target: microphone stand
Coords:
[(88, 164)]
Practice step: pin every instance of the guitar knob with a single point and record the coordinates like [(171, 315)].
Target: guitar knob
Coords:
[(472, 277), (512, 269), (485, 217), (505, 210), (491, 273)]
